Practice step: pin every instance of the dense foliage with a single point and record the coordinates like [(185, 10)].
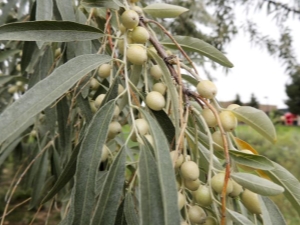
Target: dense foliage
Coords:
[(115, 125)]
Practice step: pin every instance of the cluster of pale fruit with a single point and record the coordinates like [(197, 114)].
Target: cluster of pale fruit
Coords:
[(187, 170)]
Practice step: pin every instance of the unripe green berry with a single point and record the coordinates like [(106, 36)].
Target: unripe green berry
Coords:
[(217, 183), (57, 52), (209, 117), (210, 221), (196, 214), (130, 19), (181, 200), (137, 9), (207, 89), (156, 72), (237, 189), (99, 100), (155, 100), (116, 111), (136, 54), (177, 158), (140, 35), (228, 120), (217, 138), (122, 28), (114, 129), (202, 196), (192, 185), (160, 87), (104, 70), (189, 170), (251, 202), (105, 153)]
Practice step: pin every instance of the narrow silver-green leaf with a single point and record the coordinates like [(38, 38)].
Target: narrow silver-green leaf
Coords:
[(239, 218), (151, 204), (270, 212), (88, 163), (5, 79), (44, 9), (110, 196), (251, 160), (6, 53), (257, 184), (290, 183), (258, 120), (163, 10), (51, 31), (47, 91), (201, 47), (100, 4), (66, 10), (130, 210), (165, 172)]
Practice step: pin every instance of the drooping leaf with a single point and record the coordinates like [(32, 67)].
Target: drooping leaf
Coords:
[(120, 217), (253, 161), (190, 79), (163, 10), (130, 210), (287, 180), (51, 31), (257, 184), (239, 218), (6, 53), (258, 120), (201, 47), (270, 212), (66, 175), (88, 161), (165, 172), (110, 196), (112, 4), (44, 9), (150, 190), (46, 91)]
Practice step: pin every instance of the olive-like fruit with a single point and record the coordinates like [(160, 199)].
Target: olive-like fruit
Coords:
[(233, 106), (228, 120), (104, 70), (177, 158), (160, 87), (150, 139), (99, 100), (130, 19), (207, 89), (210, 221), (136, 54), (251, 202), (105, 153), (155, 100), (189, 170), (203, 196), (217, 183), (140, 35), (217, 138), (156, 72), (94, 84), (137, 9), (196, 214), (237, 189), (93, 107), (181, 200), (114, 129), (209, 117), (12, 89), (192, 185), (120, 89)]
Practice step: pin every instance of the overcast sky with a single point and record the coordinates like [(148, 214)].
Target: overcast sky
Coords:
[(255, 71)]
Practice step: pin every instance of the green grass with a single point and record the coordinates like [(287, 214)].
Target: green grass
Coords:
[(286, 152)]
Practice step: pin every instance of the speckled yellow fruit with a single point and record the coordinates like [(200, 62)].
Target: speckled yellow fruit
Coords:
[(140, 35), (202, 196), (237, 189), (156, 72), (181, 200), (217, 183), (207, 89), (189, 170), (155, 100), (114, 129), (99, 100), (209, 117), (104, 70), (228, 120), (196, 214), (192, 185), (160, 87), (251, 202), (177, 158), (136, 54), (130, 19)]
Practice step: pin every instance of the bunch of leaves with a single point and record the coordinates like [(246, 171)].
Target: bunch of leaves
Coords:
[(78, 151)]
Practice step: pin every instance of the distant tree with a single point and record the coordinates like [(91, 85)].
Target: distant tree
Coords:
[(253, 101), (293, 92), (238, 100)]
